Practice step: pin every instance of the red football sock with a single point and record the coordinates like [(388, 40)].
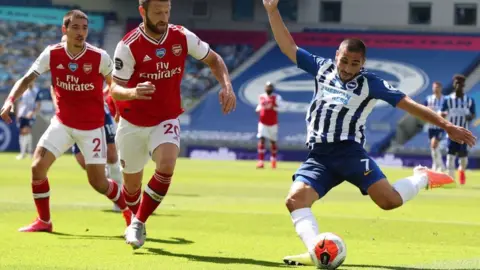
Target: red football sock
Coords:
[(462, 177), (261, 151), (114, 194), (41, 196), (153, 195), (273, 150), (132, 200)]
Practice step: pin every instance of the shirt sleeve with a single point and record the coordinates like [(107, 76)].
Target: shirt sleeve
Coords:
[(124, 62), (381, 89), (197, 48), (42, 63), (106, 66), (309, 62)]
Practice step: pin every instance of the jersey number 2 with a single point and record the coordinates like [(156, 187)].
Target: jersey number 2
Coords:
[(97, 142)]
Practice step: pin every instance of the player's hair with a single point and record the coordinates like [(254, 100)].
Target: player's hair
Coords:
[(354, 45), (73, 14), (459, 78), (144, 3), (438, 83)]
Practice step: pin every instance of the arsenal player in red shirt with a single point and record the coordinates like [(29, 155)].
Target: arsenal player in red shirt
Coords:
[(149, 65), (78, 72), (268, 124)]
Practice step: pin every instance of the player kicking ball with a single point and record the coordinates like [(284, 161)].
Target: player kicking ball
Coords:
[(149, 65), (345, 96), (78, 72)]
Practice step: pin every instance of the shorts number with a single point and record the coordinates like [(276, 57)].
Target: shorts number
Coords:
[(169, 128), (97, 142), (367, 163)]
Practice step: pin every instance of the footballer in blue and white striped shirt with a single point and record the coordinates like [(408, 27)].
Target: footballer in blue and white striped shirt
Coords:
[(435, 134), (344, 96), (459, 109)]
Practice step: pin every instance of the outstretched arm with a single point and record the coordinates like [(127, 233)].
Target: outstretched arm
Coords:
[(455, 133), (280, 32)]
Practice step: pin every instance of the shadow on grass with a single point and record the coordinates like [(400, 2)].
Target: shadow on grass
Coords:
[(172, 240), (213, 259)]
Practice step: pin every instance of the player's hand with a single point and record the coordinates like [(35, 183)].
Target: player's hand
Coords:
[(461, 135), (5, 112), (116, 118), (270, 5), (144, 90), (228, 100)]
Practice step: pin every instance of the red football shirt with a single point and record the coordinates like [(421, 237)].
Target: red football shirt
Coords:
[(140, 58), (77, 82), (269, 109)]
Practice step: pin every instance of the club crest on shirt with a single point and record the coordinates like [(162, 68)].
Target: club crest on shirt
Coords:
[(87, 68), (352, 85), (161, 52), (177, 49), (73, 66)]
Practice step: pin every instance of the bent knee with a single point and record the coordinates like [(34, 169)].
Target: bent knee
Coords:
[(300, 196), (389, 201)]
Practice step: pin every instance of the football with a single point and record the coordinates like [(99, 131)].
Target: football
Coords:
[(329, 252)]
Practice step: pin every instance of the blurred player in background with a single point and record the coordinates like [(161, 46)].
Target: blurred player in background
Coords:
[(435, 134), (78, 72), (149, 65), (344, 96), (27, 109), (459, 110), (267, 109)]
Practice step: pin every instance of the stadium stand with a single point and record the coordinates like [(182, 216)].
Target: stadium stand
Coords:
[(20, 45)]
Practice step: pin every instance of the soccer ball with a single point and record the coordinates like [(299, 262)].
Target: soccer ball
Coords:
[(329, 252)]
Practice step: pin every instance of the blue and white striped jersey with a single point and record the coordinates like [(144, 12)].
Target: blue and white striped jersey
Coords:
[(435, 104), (338, 111), (458, 108)]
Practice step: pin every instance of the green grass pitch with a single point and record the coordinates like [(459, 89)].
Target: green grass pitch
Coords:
[(228, 215)]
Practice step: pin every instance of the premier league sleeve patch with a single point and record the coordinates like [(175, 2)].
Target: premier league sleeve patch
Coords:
[(118, 63)]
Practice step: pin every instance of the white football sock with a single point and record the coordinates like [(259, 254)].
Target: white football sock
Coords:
[(463, 162), (439, 161), (433, 153), (115, 173), (28, 143), (23, 144), (306, 226), (451, 165), (410, 186)]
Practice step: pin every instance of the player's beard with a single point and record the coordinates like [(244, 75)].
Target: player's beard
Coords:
[(269, 92), (153, 27)]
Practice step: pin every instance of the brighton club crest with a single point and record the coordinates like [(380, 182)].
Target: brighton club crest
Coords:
[(177, 49), (87, 68)]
